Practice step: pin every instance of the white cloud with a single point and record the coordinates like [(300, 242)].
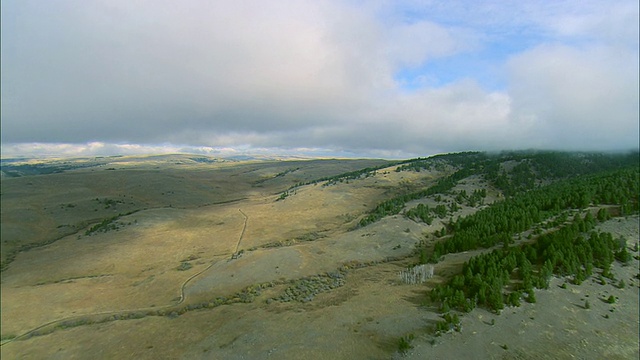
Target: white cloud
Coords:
[(307, 74), (577, 97), (86, 149), (413, 44), (611, 21)]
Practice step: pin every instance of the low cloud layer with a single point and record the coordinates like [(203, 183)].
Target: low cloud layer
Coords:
[(318, 76)]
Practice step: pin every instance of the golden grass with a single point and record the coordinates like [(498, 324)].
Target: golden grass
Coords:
[(136, 267)]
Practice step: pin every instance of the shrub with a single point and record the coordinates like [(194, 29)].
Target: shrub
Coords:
[(7, 337), (450, 322), (184, 266), (404, 344), (173, 315), (623, 256)]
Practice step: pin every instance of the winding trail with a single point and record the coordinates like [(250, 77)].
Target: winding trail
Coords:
[(33, 331), (244, 228)]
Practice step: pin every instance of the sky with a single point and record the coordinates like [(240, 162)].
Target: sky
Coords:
[(352, 78)]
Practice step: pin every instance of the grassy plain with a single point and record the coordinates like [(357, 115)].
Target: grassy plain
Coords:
[(177, 210)]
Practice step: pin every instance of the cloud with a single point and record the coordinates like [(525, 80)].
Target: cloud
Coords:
[(78, 150), (320, 75), (613, 22), (415, 43), (229, 67), (577, 97)]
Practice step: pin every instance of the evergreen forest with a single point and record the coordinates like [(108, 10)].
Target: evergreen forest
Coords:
[(555, 198)]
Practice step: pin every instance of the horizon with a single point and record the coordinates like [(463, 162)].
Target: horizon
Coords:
[(283, 156)]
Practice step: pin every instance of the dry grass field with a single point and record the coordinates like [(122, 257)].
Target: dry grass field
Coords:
[(307, 282)]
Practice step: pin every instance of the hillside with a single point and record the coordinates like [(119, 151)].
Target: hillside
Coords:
[(181, 256)]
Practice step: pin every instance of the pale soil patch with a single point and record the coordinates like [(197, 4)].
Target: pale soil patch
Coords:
[(557, 326), (627, 228)]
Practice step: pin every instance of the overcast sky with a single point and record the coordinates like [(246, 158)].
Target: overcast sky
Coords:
[(361, 78)]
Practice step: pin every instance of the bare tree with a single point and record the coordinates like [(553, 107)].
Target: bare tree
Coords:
[(417, 274)]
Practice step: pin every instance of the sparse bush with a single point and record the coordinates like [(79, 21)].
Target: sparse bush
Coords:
[(305, 289), (404, 344), (7, 337), (136, 315), (450, 323), (173, 315), (623, 255), (184, 266), (283, 196), (422, 257), (611, 299)]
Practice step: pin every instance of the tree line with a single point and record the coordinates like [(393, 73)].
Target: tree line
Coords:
[(499, 222), (395, 205), (530, 171), (565, 252)]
